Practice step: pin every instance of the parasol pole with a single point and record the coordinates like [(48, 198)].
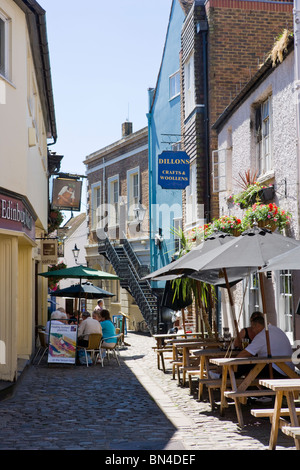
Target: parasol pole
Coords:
[(183, 320), (231, 305), (263, 298)]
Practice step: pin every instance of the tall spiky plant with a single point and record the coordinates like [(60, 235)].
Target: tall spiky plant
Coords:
[(189, 287)]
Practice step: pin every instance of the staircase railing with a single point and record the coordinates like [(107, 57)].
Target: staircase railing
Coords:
[(130, 275)]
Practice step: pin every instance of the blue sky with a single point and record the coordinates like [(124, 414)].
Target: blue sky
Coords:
[(104, 56)]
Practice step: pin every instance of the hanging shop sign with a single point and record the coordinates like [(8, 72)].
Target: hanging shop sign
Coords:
[(173, 170), (16, 215), (62, 343), (49, 251), (66, 194)]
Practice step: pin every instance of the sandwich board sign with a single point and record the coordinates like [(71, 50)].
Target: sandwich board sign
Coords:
[(62, 343)]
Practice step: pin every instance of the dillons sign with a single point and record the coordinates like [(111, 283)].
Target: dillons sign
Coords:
[(173, 170)]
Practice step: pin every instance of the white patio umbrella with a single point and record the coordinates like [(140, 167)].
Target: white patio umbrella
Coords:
[(196, 259), (251, 251), (289, 260), (181, 267)]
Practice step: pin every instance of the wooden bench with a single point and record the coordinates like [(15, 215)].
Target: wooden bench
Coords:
[(248, 393), (292, 431), (239, 393), (269, 412), (176, 365), (210, 384), (160, 356)]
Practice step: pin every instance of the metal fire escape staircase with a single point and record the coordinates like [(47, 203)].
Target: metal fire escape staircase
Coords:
[(129, 269)]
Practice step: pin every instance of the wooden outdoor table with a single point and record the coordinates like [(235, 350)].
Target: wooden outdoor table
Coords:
[(281, 387), (205, 354), (240, 391), (161, 347), (187, 347)]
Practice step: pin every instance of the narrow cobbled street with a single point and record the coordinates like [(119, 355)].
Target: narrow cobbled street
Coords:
[(131, 407)]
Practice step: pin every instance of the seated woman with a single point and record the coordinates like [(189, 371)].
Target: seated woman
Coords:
[(247, 333), (108, 330)]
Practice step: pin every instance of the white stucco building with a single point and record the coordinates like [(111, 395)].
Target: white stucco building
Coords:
[(258, 132), (27, 121)]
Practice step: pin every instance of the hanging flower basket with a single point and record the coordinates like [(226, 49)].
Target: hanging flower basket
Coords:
[(268, 214), (254, 193), (267, 193), (200, 233), (269, 224), (55, 219), (228, 224), (53, 282)]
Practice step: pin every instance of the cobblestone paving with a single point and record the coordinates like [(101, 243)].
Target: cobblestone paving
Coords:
[(132, 407)]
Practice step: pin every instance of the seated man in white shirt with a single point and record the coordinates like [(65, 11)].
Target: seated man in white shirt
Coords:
[(86, 327), (279, 345)]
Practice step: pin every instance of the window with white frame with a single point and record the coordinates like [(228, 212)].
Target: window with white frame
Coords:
[(96, 205), (113, 200), (219, 169), (286, 302), (133, 191), (263, 140), (5, 45), (189, 86), (177, 226), (174, 85)]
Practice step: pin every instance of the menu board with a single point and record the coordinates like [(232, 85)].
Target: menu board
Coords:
[(62, 343)]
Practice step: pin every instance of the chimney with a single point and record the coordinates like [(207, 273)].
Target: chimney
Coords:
[(126, 128)]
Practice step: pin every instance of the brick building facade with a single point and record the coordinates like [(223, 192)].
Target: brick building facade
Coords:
[(227, 39), (118, 242)]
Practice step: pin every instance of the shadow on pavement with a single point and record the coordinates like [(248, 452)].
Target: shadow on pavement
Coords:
[(81, 407)]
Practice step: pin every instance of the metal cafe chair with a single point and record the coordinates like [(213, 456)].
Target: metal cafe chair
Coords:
[(114, 351), (93, 347), (43, 348)]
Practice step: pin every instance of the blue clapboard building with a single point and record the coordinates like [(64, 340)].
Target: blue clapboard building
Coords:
[(164, 131)]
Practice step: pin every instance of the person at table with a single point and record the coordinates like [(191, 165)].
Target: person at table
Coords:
[(72, 320), (247, 333), (279, 345), (99, 306), (96, 315), (108, 329), (87, 326), (56, 317)]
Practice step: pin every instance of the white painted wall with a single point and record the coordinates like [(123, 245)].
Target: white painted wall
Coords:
[(23, 167), (283, 140)]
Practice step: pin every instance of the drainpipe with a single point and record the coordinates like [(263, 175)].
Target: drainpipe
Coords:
[(296, 13), (150, 174), (202, 27)]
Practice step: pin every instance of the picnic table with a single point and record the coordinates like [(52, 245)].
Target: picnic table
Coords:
[(289, 388), (240, 391), (203, 372), (164, 344), (189, 359)]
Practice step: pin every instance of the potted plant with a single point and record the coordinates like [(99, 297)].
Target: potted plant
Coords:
[(247, 197), (266, 215), (228, 224), (254, 193), (53, 281), (55, 219), (267, 193)]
